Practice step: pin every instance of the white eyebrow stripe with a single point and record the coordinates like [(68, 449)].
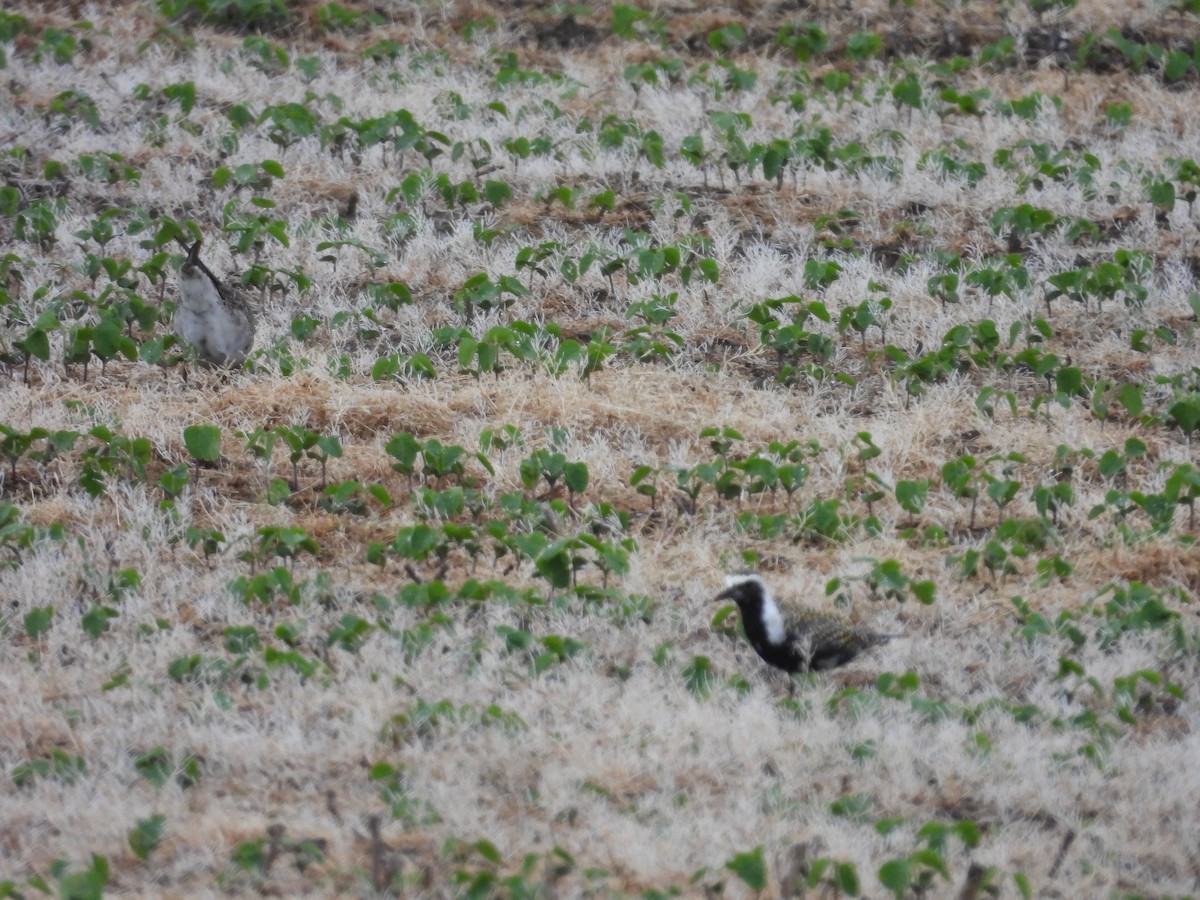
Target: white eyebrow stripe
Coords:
[(735, 580)]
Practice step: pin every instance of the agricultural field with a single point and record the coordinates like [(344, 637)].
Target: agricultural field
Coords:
[(564, 312)]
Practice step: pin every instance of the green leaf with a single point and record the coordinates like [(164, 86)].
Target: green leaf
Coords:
[(1186, 414), (968, 831), (554, 564), (908, 91), (95, 620), (896, 876), (38, 621), (496, 192), (698, 676), (241, 639), (415, 541), (155, 765), (1130, 397), (576, 477), (330, 445), (278, 491), (489, 852), (203, 442), (182, 667), (86, 885), (924, 591), (35, 344), (146, 836), (751, 868), (1023, 885), (183, 93), (845, 876), (911, 495), (1068, 380)]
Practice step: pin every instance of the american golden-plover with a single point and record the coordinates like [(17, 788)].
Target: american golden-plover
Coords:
[(792, 637)]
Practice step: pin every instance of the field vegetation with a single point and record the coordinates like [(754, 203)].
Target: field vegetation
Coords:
[(564, 312)]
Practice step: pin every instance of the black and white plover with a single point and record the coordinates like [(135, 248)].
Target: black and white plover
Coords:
[(792, 637)]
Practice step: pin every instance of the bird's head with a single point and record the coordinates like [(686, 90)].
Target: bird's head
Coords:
[(193, 257), (756, 605), (195, 273), (748, 591)]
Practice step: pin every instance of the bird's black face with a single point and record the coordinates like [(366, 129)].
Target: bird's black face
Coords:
[(727, 594), (746, 594)]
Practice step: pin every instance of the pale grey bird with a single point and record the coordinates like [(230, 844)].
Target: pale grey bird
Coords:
[(213, 318)]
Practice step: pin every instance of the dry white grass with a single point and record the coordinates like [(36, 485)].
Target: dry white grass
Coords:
[(608, 755)]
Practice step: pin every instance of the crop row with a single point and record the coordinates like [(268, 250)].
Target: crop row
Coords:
[(803, 42), (460, 517), (729, 142)]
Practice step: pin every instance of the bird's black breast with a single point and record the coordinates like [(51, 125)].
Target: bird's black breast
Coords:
[(798, 652), (783, 655)]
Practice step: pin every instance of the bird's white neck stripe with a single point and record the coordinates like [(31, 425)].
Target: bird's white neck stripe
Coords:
[(772, 618)]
